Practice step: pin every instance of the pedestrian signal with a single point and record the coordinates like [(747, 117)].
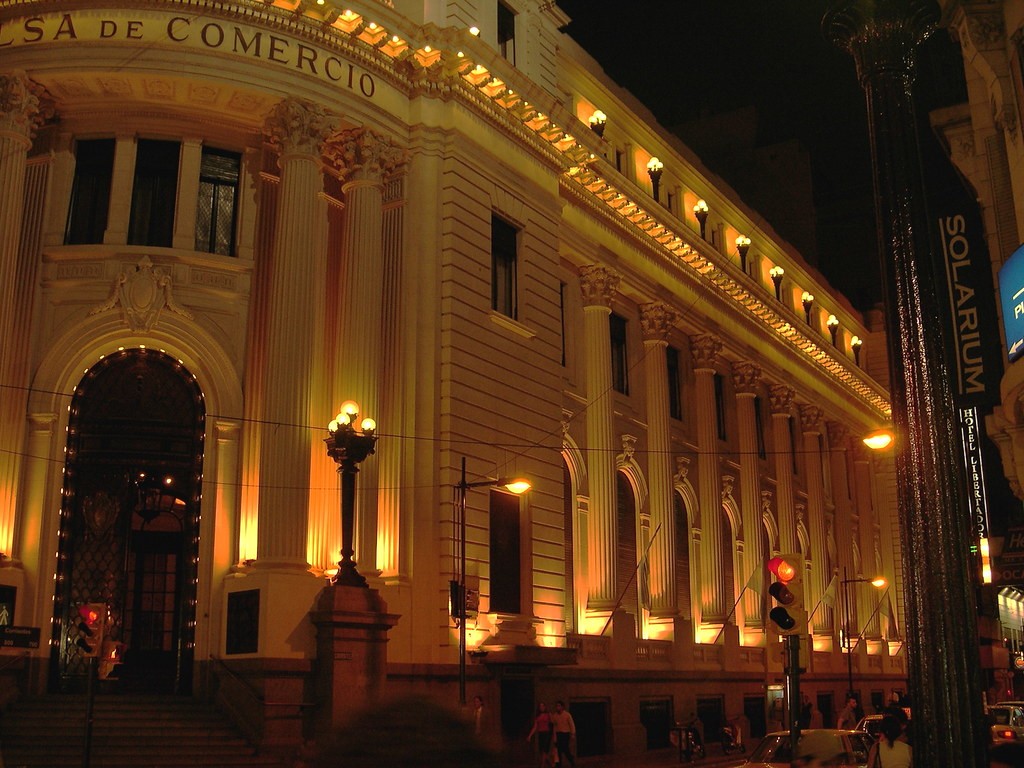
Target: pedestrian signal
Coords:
[(788, 616)]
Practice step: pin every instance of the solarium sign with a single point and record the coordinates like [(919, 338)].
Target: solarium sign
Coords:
[(195, 32), (1011, 291)]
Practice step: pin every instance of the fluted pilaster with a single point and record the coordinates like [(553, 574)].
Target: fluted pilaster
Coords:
[(294, 310), (705, 350), (656, 320), (598, 286), (811, 427), (21, 111), (781, 398), (746, 377)]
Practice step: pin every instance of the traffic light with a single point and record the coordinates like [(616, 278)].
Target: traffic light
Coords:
[(788, 616), (92, 618)]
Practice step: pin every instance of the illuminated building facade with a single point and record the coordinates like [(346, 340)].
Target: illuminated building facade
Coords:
[(221, 220)]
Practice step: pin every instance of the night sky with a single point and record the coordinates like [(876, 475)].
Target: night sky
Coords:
[(685, 59)]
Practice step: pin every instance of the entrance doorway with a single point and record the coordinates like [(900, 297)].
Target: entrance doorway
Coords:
[(130, 520)]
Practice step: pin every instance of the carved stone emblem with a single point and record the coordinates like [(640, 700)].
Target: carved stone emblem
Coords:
[(143, 293)]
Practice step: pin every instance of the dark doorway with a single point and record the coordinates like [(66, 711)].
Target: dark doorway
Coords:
[(592, 727), (711, 711), (516, 708), (130, 520), (754, 709), (656, 717), (827, 709)]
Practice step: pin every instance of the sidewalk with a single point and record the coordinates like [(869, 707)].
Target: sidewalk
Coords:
[(661, 758)]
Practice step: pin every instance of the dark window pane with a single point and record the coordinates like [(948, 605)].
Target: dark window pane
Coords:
[(675, 403), (507, 32), (759, 426), (506, 565), (90, 192), (620, 365), (153, 193), (504, 246), (720, 406), (218, 196)]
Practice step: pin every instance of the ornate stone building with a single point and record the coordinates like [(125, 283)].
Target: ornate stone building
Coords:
[(222, 219)]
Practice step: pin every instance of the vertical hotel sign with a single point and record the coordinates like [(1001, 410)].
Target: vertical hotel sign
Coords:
[(970, 374)]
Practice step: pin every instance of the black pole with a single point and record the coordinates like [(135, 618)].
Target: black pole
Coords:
[(462, 585), (793, 678), (90, 696), (943, 659)]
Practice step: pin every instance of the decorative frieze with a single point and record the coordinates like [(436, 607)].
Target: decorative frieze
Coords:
[(143, 293)]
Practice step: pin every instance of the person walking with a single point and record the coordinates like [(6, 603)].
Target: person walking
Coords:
[(890, 751), (543, 729), (565, 732), (848, 715)]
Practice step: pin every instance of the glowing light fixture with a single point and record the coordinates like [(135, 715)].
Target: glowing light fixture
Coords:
[(878, 440), (742, 246), (776, 273), (654, 169), (833, 327), (597, 122), (700, 210), (855, 344), (808, 302)]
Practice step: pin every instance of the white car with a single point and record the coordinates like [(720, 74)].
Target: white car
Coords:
[(824, 743), (1007, 722)]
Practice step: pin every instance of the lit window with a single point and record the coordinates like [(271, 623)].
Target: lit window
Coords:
[(504, 247), (90, 192), (153, 193), (218, 201)]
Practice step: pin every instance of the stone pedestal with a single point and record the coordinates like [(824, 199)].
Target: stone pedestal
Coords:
[(682, 643), (352, 625)]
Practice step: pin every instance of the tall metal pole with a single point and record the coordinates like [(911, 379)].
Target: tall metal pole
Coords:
[(90, 699), (941, 618), (848, 614), (462, 585), (793, 679)]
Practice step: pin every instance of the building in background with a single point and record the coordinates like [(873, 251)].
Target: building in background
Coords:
[(220, 220)]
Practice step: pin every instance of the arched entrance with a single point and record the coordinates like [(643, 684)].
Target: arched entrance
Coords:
[(129, 532)]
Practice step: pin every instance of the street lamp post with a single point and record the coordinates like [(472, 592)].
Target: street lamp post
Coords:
[(458, 593), (878, 582), (349, 447)]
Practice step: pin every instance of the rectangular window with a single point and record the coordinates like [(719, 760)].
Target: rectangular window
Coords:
[(720, 406), (675, 402), (506, 555), (561, 317), (792, 445), (619, 156), (90, 192), (762, 452), (153, 193), (219, 173), (504, 247), (620, 361), (507, 33)]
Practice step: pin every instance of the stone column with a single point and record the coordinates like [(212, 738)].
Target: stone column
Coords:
[(782, 401), (746, 377), (942, 634), (21, 111), (656, 320), (705, 350), (295, 308), (598, 285), (845, 525), (365, 159), (821, 572)]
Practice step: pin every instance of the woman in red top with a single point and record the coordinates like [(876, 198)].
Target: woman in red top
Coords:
[(543, 728)]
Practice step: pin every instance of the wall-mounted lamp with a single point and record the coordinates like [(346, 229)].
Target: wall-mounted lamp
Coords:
[(855, 344), (654, 169), (833, 327), (808, 302), (700, 210), (597, 122), (776, 273), (742, 246), (878, 440)]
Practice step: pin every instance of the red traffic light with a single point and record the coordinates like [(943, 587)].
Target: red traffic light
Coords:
[(782, 569), (92, 620)]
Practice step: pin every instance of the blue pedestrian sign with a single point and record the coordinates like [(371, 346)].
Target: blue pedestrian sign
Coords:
[(1011, 289)]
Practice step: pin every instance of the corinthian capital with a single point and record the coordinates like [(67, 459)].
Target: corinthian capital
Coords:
[(745, 377), (300, 126), (23, 106), (837, 434), (810, 418), (781, 398), (657, 319), (705, 350), (362, 154), (598, 285)]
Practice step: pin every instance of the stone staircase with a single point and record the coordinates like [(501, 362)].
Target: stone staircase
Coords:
[(129, 731)]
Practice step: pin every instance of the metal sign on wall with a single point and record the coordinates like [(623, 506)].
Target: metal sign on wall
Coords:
[(1011, 291)]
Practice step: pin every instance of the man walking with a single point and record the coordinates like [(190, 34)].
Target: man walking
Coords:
[(565, 732), (848, 715)]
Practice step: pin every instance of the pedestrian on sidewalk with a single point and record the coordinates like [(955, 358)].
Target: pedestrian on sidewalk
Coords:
[(565, 732), (543, 729)]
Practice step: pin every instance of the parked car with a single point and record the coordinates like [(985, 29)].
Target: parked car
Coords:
[(1007, 723), (871, 725), (825, 743)]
